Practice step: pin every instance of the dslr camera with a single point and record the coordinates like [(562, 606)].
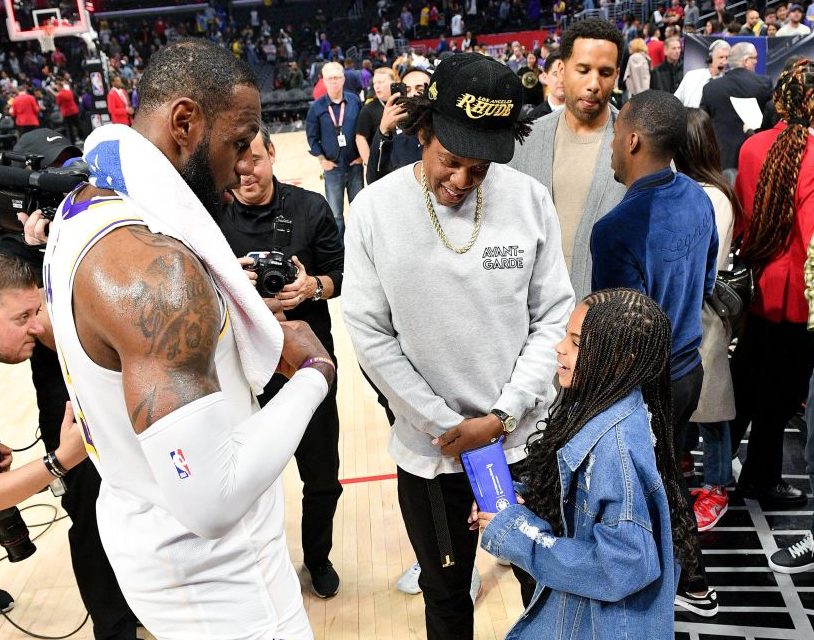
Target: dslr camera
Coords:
[(273, 269), (26, 187)]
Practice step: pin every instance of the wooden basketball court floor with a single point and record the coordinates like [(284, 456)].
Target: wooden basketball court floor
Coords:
[(371, 549)]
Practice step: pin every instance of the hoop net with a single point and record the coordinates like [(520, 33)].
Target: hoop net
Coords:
[(45, 36)]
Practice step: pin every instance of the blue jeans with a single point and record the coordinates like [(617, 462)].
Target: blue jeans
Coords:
[(336, 181), (717, 453)]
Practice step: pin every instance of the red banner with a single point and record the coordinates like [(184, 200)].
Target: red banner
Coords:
[(529, 39)]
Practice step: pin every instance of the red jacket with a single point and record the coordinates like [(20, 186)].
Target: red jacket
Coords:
[(781, 286), (117, 107), (655, 49), (26, 111), (66, 101)]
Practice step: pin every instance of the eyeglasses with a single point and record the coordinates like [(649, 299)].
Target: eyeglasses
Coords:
[(333, 78)]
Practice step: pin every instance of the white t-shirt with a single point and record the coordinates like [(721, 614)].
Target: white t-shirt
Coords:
[(788, 30), (456, 25)]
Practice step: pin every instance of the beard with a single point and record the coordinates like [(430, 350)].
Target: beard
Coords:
[(198, 175)]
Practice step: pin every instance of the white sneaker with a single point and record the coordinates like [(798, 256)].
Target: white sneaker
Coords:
[(475, 587), (408, 582)]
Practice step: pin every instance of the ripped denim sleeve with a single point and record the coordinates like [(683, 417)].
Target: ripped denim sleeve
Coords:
[(499, 537)]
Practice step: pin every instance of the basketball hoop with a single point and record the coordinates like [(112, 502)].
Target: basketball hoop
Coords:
[(45, 36)]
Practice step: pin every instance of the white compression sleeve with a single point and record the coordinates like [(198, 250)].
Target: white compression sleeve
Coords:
[(210, 472)]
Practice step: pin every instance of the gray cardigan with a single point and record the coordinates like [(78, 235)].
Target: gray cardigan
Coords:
[(535, 157)]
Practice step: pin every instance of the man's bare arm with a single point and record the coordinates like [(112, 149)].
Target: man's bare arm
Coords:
[(145, 306)]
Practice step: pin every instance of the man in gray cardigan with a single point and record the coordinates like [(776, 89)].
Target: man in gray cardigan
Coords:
[(569, 151)]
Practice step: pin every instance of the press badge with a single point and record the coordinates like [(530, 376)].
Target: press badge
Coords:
[(340, 139)]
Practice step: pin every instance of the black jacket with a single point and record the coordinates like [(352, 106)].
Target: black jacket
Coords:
[(738, 83), (667, 77), (314, 240), (389, 154)]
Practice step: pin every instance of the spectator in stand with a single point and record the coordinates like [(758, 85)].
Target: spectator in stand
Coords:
[(118, 104), (713, 28), (25, 110), (771, 20), (809, 18), (691, 14), (668, 76), (700, 159), (424, 18), (532, 87), (388, 43), (740, 82), (655, 47), (637, 72), (324, 47), (782, 11), (295, 78), (442, 46), (692, 85), (754, 25), (371, 114), (794, 26), (407, 21), (66, 101), (375, 40), (456, 25), (518, 58), (331, 131), (675, 14), (552, 79), (775, 185), (721, 14)]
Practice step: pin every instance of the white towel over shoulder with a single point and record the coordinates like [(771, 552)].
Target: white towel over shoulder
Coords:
[(123, 160)]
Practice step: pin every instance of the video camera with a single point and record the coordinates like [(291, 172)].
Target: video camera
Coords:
[(25, 187), (273, 269)]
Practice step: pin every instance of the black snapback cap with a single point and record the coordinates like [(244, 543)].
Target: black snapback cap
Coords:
[(47, 143), (476, 103)]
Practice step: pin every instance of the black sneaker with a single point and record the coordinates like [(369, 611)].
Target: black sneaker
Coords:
[(780, 495), (705, 605), (6, 601), (797, 558), (324, 580)]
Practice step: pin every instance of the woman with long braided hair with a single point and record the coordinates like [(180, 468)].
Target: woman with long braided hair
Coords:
[(604, 524), (775, 185)]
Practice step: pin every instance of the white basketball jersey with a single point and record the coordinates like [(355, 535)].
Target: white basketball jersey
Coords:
[(241, 586)]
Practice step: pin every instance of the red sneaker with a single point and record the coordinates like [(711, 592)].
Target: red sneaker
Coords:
[(710, 506)]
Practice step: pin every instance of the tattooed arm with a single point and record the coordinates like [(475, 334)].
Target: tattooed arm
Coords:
[(145, 306)]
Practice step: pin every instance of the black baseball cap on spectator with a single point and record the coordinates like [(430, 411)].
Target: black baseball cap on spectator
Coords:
[(476, 104), (795, 7), (47, 143)]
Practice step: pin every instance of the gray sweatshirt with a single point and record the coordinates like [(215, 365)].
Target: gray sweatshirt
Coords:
[(445, 336)]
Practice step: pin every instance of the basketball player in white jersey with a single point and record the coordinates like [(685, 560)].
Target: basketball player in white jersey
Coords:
[(153, 369)]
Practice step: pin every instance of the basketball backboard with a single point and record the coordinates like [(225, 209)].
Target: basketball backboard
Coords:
[(30, 19)]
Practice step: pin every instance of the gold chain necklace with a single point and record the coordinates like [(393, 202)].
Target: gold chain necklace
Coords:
[(437, 224)]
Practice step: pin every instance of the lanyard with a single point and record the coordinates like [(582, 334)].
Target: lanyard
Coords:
[(337, 125)]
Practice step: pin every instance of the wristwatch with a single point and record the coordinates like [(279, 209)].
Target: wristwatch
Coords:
[(318, 292), (509, 422)]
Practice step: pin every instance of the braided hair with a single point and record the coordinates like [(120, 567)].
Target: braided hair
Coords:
[(773, 208), (625, 343)]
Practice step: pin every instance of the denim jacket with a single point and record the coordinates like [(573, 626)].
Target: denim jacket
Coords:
[(613, 574)]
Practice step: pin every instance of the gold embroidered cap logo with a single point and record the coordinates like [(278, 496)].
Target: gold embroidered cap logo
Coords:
[(433, 92), (478, 107)]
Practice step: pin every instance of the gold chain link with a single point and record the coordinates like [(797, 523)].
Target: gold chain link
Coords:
[(437, 224)]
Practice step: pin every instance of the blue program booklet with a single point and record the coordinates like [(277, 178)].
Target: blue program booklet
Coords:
[(489, 476)]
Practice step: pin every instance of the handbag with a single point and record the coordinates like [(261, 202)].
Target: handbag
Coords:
[(734, 288)]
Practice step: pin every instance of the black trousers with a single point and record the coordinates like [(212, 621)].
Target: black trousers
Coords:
[(98, 587), (685, 392), (317, 459), (448, 607), (72, 128), (771, 368)]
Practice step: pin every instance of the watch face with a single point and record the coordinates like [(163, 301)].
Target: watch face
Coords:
[(510, 423)]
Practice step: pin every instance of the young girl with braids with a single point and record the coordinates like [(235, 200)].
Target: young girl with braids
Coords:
[(604, 526), (774, 357)]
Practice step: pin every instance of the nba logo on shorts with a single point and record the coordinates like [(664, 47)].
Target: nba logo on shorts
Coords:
[(180, 462)]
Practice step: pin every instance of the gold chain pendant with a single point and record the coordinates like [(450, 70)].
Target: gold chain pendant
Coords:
[(437, 223)]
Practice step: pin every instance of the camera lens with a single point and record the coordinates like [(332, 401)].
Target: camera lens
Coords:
[(14, 535), (273, 281)]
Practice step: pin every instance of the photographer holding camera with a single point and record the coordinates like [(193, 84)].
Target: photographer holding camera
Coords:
[(268, 215), (21, 323), (98, 587)]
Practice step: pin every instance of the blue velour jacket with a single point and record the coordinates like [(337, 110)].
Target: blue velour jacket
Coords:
[(613, 574)]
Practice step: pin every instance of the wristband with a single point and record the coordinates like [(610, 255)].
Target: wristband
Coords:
[(317, 360), (53, 465)]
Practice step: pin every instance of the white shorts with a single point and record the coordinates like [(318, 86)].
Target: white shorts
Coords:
[(239, 587)]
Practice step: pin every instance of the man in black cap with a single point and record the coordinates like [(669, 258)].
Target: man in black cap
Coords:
[(454, 302), (98, 587)]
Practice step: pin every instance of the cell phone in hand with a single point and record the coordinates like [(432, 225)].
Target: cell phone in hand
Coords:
[(398, 87)]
